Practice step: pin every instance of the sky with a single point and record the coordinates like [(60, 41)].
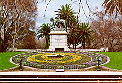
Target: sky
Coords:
[(53, 5)]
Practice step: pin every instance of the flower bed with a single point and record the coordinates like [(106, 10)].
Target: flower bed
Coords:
[(67, 58), (60, 60)]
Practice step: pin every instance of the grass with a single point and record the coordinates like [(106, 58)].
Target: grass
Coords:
[(115, 60), (5, 60)]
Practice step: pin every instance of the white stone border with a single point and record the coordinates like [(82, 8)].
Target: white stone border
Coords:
[(9, 69), (23, 66), (111, 69), (16, 55), (12, 61), (108, 60)]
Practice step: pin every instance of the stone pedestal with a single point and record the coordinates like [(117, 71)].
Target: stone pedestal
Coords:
[(58, 41)]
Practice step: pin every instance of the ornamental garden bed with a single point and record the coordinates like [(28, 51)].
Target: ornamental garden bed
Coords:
[(60, 60)]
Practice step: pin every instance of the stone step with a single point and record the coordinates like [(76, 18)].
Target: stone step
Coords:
[(61, 77)]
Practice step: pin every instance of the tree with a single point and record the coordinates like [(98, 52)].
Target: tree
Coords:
[(73, 39), (17, 18), (29, 41), (68, 14), (113, 6), (79, 32), (108, 32), (81, 35), (85, 34), (44, 32)]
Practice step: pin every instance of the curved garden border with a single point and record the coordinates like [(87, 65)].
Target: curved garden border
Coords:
[(70, 69), (51, 70)]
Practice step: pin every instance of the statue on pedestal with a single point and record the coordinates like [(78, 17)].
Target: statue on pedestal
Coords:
[(58, 24)]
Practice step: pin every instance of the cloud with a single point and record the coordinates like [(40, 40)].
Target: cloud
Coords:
[(56, 4)]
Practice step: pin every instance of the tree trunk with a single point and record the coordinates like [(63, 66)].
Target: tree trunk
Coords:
[(47, 45), (2, 46), (75, 46), (13, 45), (4, 42), (83, 43)]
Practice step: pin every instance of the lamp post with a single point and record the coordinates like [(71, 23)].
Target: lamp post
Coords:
[(20, 65), (98, 59)]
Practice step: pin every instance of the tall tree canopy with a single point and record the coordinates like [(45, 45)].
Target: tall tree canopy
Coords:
[(85, 34), (79, 33), (18, 16), (108, 32), (68, 14), (44, 31)]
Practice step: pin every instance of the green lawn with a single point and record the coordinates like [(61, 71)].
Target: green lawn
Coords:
[(115, 60), (5, 60)]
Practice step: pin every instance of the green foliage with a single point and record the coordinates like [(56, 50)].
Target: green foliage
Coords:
[(79, 32), (73, 38), (81, 35), (115, 59), (85, 34), (5, 59), (44, 32), (68, 14), (45, 45)]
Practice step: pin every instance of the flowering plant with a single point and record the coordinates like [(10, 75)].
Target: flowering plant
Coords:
[(43, 58)]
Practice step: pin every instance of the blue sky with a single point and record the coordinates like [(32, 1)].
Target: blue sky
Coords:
[(56, 4)]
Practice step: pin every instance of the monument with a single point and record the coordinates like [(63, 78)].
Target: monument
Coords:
[(58, 41), (58, 37)]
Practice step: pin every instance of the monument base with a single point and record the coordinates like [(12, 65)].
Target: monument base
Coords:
[(58, 41), (58, 48)]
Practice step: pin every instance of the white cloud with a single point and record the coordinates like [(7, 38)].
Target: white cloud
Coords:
[(56, 4)]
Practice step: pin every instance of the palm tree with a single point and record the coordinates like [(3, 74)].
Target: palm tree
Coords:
[(81, 35), (68, 14), (113, 6), (44, 32), (85, 35), (73, 39)]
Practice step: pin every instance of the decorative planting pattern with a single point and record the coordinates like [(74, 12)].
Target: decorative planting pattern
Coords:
[(56, 58), (60, 60)]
